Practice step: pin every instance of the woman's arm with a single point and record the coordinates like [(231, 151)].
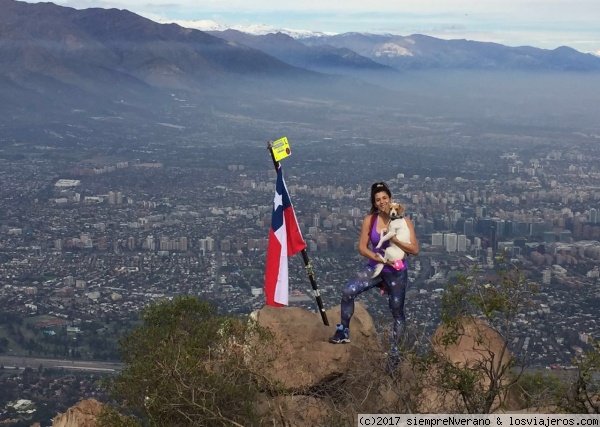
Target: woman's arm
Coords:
[(363, 240), (411, 248)]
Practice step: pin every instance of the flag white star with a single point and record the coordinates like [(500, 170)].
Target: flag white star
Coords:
[(278, 201)]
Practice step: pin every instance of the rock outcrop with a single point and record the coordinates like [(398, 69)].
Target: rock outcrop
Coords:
[(476, 343), (307, 381), (300, 353), (473, 344), (315, 382), (84, 414)]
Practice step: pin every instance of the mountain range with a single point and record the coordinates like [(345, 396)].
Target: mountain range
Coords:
[(58, 59), (415, 52)]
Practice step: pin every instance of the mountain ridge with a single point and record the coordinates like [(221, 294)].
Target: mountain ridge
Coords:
[(105, 59), (422, 52), (323, 58), (401, 44), (111, 62)]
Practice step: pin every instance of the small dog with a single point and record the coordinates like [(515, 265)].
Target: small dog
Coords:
[(397, 227)]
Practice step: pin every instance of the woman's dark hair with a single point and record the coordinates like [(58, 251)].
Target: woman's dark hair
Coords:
[(378, 187)]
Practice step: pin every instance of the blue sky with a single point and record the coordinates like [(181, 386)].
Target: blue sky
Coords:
[(541, 23)]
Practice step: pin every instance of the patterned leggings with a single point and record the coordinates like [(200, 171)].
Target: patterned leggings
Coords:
[(395, 284)]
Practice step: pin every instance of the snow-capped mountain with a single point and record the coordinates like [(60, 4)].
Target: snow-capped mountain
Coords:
[(398, 52), (254, 29)]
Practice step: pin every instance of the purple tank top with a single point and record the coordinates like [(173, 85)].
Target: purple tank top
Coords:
[(374, 236)]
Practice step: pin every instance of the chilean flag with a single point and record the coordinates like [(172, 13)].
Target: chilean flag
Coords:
[(285, 239)]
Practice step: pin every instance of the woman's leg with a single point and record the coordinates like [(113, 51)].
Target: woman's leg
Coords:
[(396, 287), (360, 283), (356, 286)]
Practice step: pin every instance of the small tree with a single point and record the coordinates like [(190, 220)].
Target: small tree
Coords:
[(583, 396), (541, 390), (184, 368), (483, 313)]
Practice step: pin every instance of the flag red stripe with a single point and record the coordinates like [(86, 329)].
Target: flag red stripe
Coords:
[(295, 242)]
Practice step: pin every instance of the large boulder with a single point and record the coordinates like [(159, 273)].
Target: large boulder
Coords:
[(84, 414), (300, 355), (476, 343), (473, 345)]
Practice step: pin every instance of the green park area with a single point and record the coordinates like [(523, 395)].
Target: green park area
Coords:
[(56, 337)]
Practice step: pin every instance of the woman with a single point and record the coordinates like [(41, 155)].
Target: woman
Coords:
[(390, 280)]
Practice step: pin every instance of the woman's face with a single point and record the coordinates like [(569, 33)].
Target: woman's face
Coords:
[(382, 201)]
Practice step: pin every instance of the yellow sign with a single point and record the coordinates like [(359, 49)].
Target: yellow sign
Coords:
[(281, 149)]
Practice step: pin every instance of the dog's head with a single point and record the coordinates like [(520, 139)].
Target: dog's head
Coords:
[(396, 210)]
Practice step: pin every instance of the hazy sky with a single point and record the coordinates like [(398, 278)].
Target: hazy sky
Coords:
[(540, 23)]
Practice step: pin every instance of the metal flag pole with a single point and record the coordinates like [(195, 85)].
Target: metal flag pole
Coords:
[(307, 264)]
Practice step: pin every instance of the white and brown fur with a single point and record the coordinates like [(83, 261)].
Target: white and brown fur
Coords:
[(397, 227)]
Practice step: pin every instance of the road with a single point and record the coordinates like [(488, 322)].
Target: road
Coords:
[(21, 362)]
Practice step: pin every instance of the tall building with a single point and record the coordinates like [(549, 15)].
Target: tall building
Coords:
[(493, 239), (316, 220), (537, 228), (86, 240), (489, 258), (131, 243), (459, 225), (102, 243), (546, 276), (202, 246), (225, 245), (593, 216), (469, 227), (549, 237), (439, 223), (437, 239), (520, 229), (451, 242), (566, 236), (462, 243), (483, 226), (165, 243), (500, 228), (210, 244), (509, 228), (183, 244)]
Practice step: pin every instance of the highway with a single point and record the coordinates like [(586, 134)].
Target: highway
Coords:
[(21, 362)]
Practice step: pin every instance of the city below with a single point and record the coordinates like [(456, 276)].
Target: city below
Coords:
[(85, 249)]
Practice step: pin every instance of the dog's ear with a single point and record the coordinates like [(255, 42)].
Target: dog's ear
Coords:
[(400, 209)]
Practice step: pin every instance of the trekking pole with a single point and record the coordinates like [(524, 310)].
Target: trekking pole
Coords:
[(307, 264)]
